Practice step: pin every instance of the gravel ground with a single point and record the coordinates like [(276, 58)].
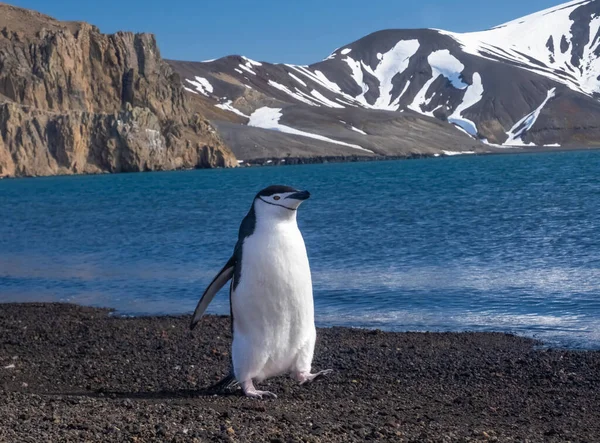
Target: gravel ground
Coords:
[(71, 373)]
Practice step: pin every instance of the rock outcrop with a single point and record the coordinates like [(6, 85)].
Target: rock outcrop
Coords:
[(74, 100)]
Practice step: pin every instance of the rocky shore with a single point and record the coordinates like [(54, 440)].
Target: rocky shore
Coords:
[(71, 373)]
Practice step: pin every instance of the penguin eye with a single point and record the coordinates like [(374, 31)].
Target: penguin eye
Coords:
[(276, 197)]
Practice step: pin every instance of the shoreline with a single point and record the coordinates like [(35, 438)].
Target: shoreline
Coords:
[(79, 373), (293, 161), (279, 161)]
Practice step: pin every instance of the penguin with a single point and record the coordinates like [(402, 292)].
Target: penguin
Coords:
[(271, 297)]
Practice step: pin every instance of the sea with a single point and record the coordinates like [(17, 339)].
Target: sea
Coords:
[(507, 243)]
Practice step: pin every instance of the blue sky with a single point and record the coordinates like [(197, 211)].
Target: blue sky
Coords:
[(287, 31)]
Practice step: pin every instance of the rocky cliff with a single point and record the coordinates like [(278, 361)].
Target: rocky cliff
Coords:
[(74, 100)]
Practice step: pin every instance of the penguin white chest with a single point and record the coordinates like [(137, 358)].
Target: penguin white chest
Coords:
[(272, 302)]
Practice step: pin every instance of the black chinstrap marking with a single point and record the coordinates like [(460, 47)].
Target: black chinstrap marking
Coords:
[(275, 204)]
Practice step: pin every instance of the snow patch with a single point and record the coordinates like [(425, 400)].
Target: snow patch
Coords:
[(346, 51), (421, 98), (442, 64), (228, 106), (396, 103), (307, 73), (392, 63), (309, 97), (247, 69), (332, 55), (268, 118), (251, 62), (320, 78), (325, 81), (516, 133), (461, 129), (325, 100), (526, 38), (450, 153), (367, 68), (347, 102), (357, 76), (201, 84), (487, 142), (353, 128), (472, 96), (293, 94), (590, 62), (297, 79)]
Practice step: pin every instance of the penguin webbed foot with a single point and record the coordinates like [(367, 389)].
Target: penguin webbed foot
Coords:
[(307, 377), (259, 394), (251, 392)]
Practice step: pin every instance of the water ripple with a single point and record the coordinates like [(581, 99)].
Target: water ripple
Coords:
[(502, 243)]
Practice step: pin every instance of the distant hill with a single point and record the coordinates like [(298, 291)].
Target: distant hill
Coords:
[(534, 82)]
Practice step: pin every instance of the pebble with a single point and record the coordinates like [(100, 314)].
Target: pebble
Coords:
[(110, 382)]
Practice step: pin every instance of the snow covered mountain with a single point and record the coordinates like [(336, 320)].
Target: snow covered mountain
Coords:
[(534, 81)]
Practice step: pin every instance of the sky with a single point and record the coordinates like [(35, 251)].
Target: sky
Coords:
[(278, 31)]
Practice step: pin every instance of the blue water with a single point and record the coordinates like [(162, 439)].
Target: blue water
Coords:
[(494, 243)]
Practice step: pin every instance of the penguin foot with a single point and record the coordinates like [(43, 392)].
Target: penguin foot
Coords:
[(307, 377), (252, 392), (259, 394)]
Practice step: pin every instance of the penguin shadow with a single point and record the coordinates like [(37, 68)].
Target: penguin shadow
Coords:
[(216, 390), (165, 394), (168, 394)]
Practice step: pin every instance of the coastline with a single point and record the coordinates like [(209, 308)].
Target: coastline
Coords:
[(69, 372), (291, 161), (363, 158)]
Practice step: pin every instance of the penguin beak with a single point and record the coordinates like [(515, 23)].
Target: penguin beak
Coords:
[(300, 195)]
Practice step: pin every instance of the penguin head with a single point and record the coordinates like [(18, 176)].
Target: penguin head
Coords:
[(279, 200)]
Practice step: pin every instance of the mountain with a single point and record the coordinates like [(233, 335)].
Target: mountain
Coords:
[(74, 100), (531, 82)]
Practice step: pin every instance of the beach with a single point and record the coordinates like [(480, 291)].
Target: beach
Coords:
[(72, 373)]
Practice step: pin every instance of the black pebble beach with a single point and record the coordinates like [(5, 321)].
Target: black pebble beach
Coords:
[(71, 373)]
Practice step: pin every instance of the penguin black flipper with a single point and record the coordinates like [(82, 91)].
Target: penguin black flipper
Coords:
[(218, 282), (231, 270)]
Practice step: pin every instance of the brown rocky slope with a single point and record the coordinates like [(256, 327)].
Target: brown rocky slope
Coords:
[(74, 100)]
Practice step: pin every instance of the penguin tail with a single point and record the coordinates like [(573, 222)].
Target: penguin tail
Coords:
[(225, 384)]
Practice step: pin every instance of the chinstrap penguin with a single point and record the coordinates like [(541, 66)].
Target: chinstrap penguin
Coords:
[(270, 294)]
